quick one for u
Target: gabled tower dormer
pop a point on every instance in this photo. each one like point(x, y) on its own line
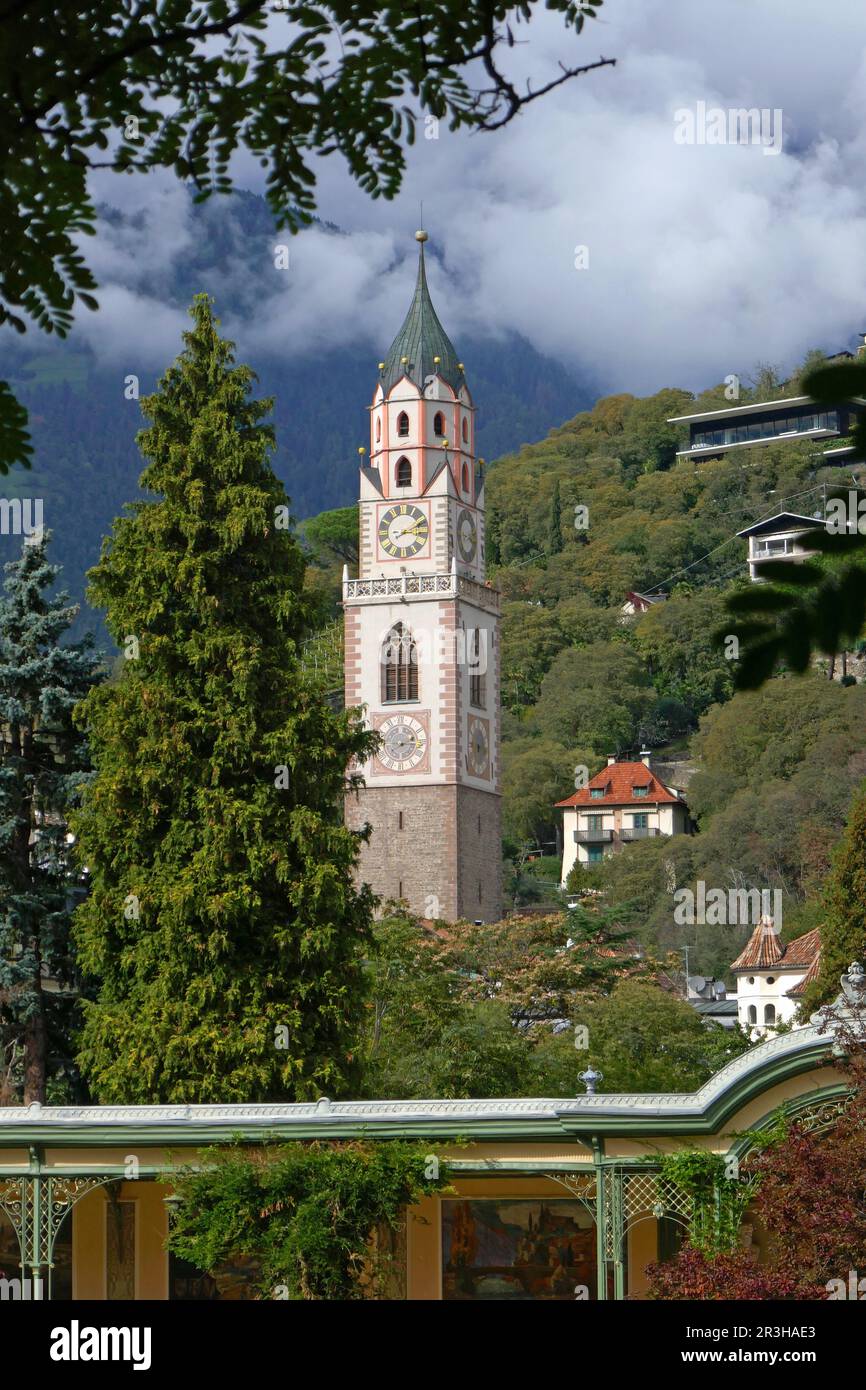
point(772, 977)
point(422, 635)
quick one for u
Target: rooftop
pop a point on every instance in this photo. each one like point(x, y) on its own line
point(755, 408)
point(422, 348)
point(783, 521)
point(90, 1126)
point(618, 781)
point(764, 949)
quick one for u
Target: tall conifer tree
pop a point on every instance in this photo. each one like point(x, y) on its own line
point(554, 525)
point(43, 761)
point(223, 921)
point(843, 929)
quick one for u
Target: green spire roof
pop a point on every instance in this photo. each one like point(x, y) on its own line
point(421, 339)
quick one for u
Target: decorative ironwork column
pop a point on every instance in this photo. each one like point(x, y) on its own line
point(586, 1189)
point(37, 1204)
point(633, 1193)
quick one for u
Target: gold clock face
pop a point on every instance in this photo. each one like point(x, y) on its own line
point(478, 754)
point(403, 530)
point(404, 742)
point(467, 536)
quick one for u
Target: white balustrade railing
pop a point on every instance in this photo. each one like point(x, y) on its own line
point(419, 586)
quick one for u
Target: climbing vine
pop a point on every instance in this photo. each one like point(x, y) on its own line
point(318, 1219)
point(719, 1194)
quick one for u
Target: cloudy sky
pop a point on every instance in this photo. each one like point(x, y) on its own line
point(703, 259)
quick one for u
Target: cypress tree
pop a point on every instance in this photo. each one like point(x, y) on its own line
point(843, 930)
point(223, 922)
point(554, 525)
point(43, 762)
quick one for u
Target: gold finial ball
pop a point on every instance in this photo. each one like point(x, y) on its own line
point(437, 359)
point(404, 360)
point(420, 236)
point(362, 450)
point(460, 366)
point(381, 366)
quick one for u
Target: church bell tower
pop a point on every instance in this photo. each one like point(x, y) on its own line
point(422, 636)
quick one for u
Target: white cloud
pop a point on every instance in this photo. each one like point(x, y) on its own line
point(132, 332)
point(702, 260)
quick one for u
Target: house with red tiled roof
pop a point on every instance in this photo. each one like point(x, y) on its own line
point(624, 802)
point(772, 976)
point(637, 604)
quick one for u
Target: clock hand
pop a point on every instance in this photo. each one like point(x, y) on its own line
point(407, 531)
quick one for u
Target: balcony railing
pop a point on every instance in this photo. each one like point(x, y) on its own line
point(774, 550)
point(409, 587)
point(593, 836)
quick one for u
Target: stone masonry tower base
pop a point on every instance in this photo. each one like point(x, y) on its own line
point(452, 833)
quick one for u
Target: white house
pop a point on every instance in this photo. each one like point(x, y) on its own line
point(624, 802)
point(772, 977)
point(780, 537)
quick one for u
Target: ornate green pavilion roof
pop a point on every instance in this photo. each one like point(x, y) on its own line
point(421, 340)
point(704, 1111)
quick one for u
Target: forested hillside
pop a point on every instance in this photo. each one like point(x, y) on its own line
point(602, 507)
point(774, 771)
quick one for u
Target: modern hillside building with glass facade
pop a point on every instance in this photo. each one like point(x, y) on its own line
point(715, 432)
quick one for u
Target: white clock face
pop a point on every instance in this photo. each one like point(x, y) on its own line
point(467, 536)
point(404, 743)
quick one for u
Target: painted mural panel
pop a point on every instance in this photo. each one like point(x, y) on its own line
point(514, 1248)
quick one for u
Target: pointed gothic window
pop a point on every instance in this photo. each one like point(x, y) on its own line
point(465, 430)
point(378, 430)
point(438, 424)
point(404, 473)
point(477, 665)
point(399, 666)
point(403, 424)
point(466, 477)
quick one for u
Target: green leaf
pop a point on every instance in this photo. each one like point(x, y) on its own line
point(15, 446)
point(836, 384)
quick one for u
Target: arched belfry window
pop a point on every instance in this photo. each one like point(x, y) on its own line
point(403, 424)
point(769, 1013)
point(378, 430)
point(399, 665)
point(465, 430)
point(439, 424)
point(404, 473)
point(753, 1014)
point(466, 477)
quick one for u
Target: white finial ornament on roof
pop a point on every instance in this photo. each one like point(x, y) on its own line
point(421, 236)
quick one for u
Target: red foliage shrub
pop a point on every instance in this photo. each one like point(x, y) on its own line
point(810, 1201)
point(692, 1275)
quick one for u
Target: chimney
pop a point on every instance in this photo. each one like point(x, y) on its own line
point(645, 756)
point(611, 759)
